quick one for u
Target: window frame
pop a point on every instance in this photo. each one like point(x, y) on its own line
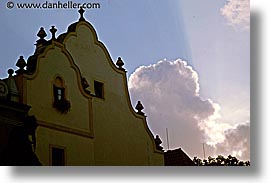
point(99, 90)
point(64, 158)
point(59, 95)
point(56, 95)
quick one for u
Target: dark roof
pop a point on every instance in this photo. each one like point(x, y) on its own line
point(177, 158)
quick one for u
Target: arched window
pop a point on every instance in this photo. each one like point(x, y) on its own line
point(58, 89)
point(59, 94)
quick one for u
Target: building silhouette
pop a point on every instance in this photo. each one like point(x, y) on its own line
point(17, 128)
point(177, 157)
point(81, 103)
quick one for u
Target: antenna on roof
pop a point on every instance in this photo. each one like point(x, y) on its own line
point(203, 150)
point(167, 138)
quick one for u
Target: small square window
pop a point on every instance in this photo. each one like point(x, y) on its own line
point(99, 89)
point(58, 157)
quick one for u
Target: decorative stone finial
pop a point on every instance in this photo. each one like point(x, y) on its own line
point(139, 108)
point(120, 63)
point(85, 85)
point(41, 33)
point(21, 63)
point(81, 12)
point(10, 72)
point(53, 31)
point(158, 143)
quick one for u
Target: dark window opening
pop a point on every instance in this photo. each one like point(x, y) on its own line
point(58, 157)
point(59, 93)
point(99, 90)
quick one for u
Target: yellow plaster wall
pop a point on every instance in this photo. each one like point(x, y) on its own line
point(71, 126)
point(120, 135)
point(79, 151)
point(95, 131)
point(40, 92)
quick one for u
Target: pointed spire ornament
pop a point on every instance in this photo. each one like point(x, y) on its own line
point(81, 11)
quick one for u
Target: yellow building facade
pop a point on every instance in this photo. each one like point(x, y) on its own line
point(81, 102)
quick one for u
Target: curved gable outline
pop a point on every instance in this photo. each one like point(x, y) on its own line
point(61, 40)
point(32, 76)
point(72, 31)
point(71, 61)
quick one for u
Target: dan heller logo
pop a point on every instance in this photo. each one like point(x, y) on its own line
point(50, 5)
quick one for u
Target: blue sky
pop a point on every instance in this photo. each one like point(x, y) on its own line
point(124, 26)
point(147, 31)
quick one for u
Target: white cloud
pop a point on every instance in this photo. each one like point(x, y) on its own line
point(237, 12)
point(170, 93)
point(237, 142)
